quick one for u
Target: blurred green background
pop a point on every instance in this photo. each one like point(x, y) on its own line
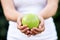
point(4, 23)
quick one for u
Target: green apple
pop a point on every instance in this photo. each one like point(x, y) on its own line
point(31, 20)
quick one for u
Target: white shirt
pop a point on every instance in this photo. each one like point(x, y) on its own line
point(32, 6)
point(29, 6)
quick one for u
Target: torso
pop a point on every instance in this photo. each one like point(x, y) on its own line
point(29, 6)
point(32, 6)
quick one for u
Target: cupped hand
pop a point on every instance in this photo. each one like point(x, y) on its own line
point(40, 29)
point(23, 28)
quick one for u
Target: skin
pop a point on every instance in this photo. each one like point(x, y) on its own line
point(12, 15)
point(48, 11)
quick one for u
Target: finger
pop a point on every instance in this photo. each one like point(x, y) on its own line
point(18, 26)
point(28, 33)
point(41, 24)
point(37, 30)
point(25, 30)
point(42, 21)
point(19, 20)
point(34, 32)
point(42, 29)
point(22, 27)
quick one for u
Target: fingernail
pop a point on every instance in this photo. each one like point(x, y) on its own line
point(27, 31)
point(39, 26)
point(31, 29)
point(30, 32)
point(25, 25)
point(27, 28)
point(19, 24)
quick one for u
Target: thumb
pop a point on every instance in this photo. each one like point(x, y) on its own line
point(41, 21)
point(19, 19)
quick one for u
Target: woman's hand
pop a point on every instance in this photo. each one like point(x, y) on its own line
point(24, 29)
point(40, 29)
